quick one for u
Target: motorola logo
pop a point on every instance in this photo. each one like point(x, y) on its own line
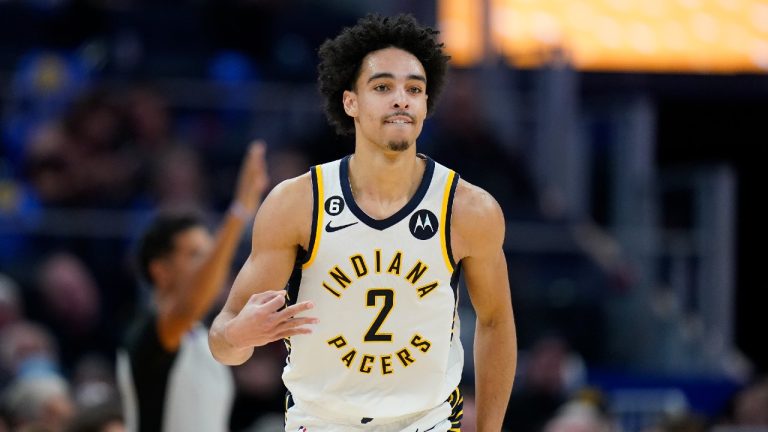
point(423, 224)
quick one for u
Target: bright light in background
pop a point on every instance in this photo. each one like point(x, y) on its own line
point(461, 27)
point(637, 35)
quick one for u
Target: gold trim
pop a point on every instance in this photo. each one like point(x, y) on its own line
point(320, 211)
point(443, 217)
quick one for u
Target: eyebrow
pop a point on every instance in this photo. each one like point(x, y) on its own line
point(389, 75)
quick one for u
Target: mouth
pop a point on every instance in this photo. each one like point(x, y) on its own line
point(399, 119)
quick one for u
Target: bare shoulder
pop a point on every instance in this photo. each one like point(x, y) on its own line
point(287, 210)
point(477, 220)
point(473, 207)
point(294, 190)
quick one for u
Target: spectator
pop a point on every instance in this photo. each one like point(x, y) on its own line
point(750, 407)
point(28, 348)
point(99, 418)
point(548, 373)
point(583, 413)
point(70, 300)
point(41, 403)
point(11, 307)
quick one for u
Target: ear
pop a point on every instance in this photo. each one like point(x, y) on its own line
point(349, 99)
point(159, 272)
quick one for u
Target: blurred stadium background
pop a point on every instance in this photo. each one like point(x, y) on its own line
point(621, 137)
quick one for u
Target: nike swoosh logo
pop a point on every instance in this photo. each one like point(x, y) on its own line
point(330, 229)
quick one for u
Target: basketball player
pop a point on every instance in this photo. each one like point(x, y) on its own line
point(373, 244)
point(167, 377)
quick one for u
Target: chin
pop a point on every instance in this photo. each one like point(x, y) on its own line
point(398, 145)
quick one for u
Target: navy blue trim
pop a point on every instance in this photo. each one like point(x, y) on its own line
point(383, 224)
point(295, 280)
point(315, 209)
point(292, 289)
point(455, 280)
point(457, 409)
point(288, 401)
point(448, 214)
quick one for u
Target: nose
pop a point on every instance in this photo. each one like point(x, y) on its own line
point(400, 99)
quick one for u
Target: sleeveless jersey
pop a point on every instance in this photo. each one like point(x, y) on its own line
point(385, 294)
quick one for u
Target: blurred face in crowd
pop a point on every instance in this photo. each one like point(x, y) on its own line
point(113, 426)
point(49, 165)
point(58, 411)
point(389, 100)
point(179, 180)
point(70, 292)
point(189, 249)
point(752, 406)
point(11, 309)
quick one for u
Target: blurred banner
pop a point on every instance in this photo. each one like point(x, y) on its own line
point(721, 36)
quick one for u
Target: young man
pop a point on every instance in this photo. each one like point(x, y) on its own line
point(168, 379)
point(373, 243)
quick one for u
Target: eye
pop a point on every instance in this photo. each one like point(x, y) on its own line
point(415, 90)
point(380, 88)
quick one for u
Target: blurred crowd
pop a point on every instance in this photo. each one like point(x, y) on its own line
point(117, 153)
point(90, 147)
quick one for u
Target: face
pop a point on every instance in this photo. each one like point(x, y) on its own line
point(389, 100)
point(189, 249)
point(191, 246)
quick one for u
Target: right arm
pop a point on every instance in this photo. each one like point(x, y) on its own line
point(252, 314)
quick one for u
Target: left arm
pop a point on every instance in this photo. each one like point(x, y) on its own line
point(478, 233)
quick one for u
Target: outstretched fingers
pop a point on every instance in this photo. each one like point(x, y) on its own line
point(293, 332)
point(270, 319)
point(291, 325)
point(295, 326)
point(271, 300)
point(294, 310)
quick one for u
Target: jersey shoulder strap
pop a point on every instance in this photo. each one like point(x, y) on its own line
point(325, 179)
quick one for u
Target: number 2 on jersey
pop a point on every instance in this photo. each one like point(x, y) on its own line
point(373, 334)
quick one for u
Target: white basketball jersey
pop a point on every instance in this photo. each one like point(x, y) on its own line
point(385, 293)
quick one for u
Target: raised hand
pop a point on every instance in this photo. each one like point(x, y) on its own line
point(254, 178)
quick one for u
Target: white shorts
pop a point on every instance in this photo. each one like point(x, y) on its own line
point(444, 418)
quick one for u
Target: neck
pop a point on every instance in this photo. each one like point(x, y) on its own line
point(385, 175)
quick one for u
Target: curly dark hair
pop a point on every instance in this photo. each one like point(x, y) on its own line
point(341, 59)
